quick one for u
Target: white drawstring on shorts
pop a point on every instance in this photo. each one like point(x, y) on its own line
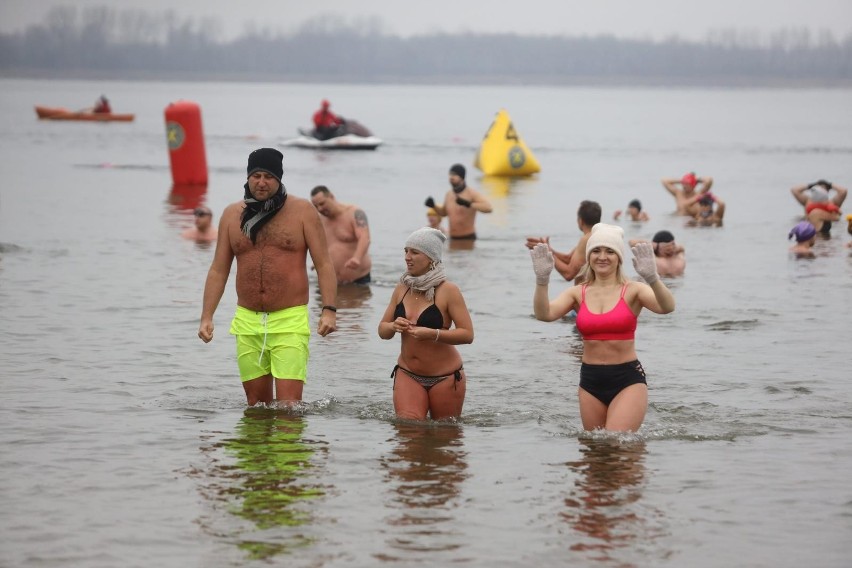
point(265, 332)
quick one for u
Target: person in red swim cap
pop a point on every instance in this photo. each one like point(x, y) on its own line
point(685, 189)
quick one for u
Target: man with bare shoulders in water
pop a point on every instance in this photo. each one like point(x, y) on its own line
point(348, 236)
point(270, 234)
point(686, 191)
point(461, 204)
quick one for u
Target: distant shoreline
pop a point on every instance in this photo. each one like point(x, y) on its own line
point(113, 44)
point(732, 82)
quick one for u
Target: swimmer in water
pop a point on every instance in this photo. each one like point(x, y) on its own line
point(805, 235)
point(711, 210)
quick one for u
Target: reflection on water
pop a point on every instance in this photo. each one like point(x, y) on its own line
point(496, 186)
point(501, 186)
point(268, 483)
point(425, 468)
point(352, 296)
point(187, 197)
point(349, 297)
point(602, 508)
point(461, 244)
point(353, 305)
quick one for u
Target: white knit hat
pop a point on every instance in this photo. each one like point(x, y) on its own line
point(610, 236)
point(429, 241)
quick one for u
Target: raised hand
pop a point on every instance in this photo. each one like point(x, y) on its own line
point(463, 202)
point(532, 241)
point(430, 202)
point(542, 260)
point(644, 262)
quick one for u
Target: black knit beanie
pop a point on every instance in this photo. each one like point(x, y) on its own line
point(267, 160)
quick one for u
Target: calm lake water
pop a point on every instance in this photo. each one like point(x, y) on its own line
point(126, 441)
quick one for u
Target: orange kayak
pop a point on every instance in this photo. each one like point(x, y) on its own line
point(59, 113)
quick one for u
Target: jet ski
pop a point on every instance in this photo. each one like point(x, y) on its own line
point(350, 135)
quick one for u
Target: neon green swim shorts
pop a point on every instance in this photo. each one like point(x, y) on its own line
point(273, 343)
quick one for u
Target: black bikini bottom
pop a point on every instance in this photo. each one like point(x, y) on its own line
point(604, 382)
point(425, 381)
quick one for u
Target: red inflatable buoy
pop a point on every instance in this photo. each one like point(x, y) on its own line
point(185, 138)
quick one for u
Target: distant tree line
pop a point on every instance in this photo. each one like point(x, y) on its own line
point(125, 44)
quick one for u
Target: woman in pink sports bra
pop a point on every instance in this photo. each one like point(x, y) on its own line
point(613, 391)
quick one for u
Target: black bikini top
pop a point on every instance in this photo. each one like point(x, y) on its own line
point(430, 317)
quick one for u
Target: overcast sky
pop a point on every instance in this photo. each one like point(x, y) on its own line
point(644, 19)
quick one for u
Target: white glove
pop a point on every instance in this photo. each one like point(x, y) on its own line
point(644, 262)
point(542, 260)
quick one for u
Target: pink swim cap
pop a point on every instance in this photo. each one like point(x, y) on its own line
point(689, 179)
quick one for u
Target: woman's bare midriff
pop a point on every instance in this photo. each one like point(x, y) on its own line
point(428, 358)
point(611, 352)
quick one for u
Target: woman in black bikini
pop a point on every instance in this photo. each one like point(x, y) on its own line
point(429, 378)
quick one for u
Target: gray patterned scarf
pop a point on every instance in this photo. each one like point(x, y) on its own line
point(426, 283)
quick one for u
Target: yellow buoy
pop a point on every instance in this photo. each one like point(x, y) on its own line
point(502, 152)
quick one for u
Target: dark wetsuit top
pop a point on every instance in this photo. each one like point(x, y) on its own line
point(430, 317)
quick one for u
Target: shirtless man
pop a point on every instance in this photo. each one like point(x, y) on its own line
point(683, 191)
point(270, 234)
point(461, 205)
point(669, 255)
point(711, 210)
point(634, 212)
point(348, 236)
point(203, 231)
point(569, 264)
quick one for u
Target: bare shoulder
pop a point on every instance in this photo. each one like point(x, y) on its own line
point(233, 211)
point(573, 294)
point(357, 214)
point(398, 290)
point(634, 288)
point(449, 288)
point(237, 206)
point(575, 291)
point(302, 208)
point(298, 202)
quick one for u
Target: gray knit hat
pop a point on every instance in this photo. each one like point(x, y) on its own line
point(429, 241)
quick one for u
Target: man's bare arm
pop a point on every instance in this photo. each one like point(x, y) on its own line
point(362, 234)
point(326, 276)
